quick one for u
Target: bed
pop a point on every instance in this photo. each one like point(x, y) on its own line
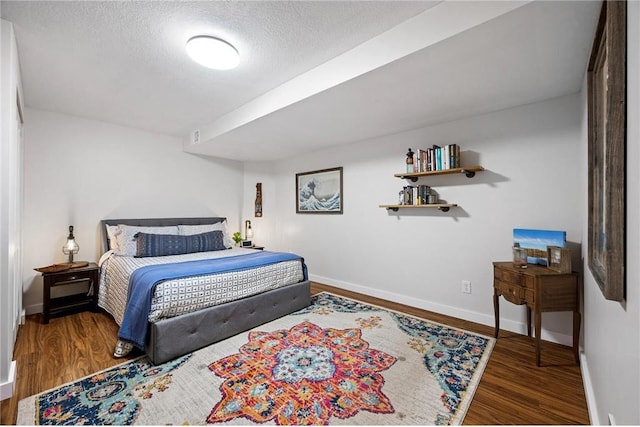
point(173, 330)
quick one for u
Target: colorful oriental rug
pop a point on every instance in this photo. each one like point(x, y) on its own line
point(338, 361)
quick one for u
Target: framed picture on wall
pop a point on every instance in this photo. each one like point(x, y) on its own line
point(319, 191)
point(606, 81)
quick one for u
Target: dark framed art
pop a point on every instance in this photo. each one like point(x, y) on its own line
point(606, 79)
point(319, 191)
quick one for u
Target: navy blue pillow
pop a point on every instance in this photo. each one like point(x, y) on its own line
point(169, 244)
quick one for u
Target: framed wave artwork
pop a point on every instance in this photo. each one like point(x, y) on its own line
point(319, 191)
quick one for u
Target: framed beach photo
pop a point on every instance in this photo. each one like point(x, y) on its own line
point(319, 191)
point(535, 242)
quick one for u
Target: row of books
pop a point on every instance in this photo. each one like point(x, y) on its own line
point(434, 159)
point(417, 195)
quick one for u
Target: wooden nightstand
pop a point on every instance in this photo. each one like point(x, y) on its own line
point(70, 303)
point(259, 248)
point(542, 290)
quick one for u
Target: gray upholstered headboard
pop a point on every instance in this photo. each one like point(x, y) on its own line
point(152, 222)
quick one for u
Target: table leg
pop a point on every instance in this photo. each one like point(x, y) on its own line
point(496, 312)
point(46, 300)
point(528, 321)
point(95, 288)
point(538, 322)
point(577, 320)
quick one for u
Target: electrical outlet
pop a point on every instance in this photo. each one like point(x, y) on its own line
point(195, 136)
point(466, 287)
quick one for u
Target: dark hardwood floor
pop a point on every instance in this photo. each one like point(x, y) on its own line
point(512, 390)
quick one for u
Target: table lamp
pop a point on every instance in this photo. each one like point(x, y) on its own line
point(71, 247)
point(248, 234)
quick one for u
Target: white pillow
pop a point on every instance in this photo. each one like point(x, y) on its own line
point(112, 231)
point(127, 246)
point(189, 230)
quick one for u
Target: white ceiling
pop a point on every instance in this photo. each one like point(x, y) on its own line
point(312, 73)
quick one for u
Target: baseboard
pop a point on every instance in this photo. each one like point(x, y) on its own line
point(472, 316)
point(7, 388)
point(33, 309)
point(594, 419)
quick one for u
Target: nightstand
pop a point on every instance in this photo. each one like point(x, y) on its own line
point(259, 248)
point(70, 303)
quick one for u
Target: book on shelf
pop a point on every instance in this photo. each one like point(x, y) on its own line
point(415, 195)
point(435, 158)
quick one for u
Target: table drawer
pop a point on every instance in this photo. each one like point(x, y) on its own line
point(508, 276)
point(512, 293)
point(514, 277)
point(529, 296)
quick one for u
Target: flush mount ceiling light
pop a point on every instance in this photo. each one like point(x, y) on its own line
point(212, 52)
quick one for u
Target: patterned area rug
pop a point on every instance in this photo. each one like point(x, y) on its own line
point(339, 361)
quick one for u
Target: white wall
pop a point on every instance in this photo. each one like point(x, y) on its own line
point(79, 171)
point(10, 207)
point(420, 258)
point(611, 360)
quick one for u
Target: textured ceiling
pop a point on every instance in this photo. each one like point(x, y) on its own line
point(312, 74)
point(124, 62)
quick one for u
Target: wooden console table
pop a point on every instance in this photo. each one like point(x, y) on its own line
point(542, 290)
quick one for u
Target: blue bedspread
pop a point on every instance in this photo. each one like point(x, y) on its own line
point(143, 281)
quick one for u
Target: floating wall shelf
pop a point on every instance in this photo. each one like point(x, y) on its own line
point(444, 207)
point(470, 172)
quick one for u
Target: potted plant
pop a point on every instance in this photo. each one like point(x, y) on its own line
point(237, 237)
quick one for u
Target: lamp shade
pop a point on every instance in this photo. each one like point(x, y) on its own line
point(248, 231)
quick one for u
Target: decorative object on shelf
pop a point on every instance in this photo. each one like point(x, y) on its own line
point(319, 191)
point(71, 247)
point(559, 259)
point(536, 241)
point(248, 234)
point(432, 197)
point(409, 161)
point(258, 200)
point(237, 237)
point(519, 256)
point(606, 100)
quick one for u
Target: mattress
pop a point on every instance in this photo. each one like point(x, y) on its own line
point(180, 296)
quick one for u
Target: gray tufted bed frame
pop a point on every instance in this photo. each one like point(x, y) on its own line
point(176, 336)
